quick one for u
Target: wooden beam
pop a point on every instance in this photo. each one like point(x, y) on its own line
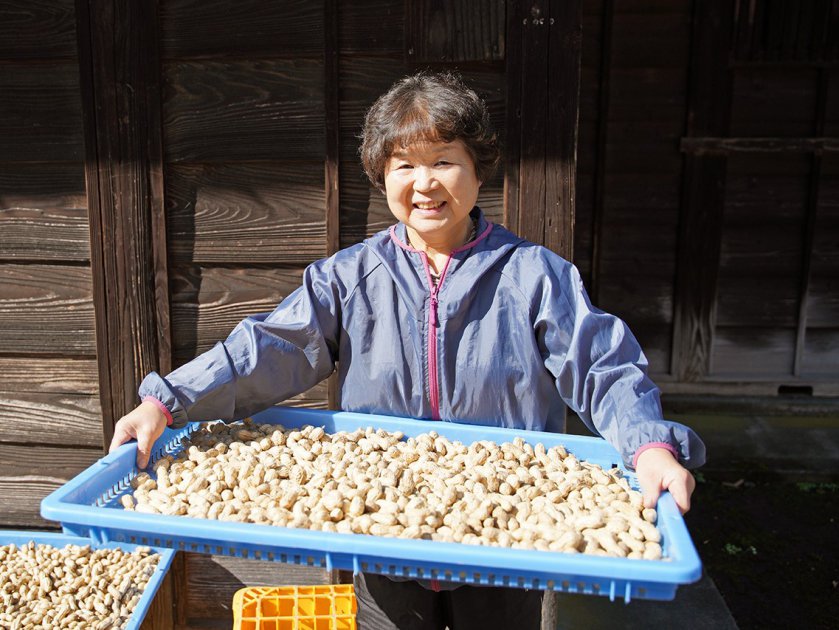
point(703, 190)
point(120, 79)
point(725, 146)
point(332, 101)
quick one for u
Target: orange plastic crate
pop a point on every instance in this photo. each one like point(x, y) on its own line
point(319, 607)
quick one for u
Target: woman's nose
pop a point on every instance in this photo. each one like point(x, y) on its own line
point(424, 178)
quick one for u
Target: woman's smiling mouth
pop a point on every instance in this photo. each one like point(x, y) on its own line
point(429, 207)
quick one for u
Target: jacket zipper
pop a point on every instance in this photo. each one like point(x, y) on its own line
point(433, 325)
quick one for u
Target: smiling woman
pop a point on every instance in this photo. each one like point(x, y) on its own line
point(476, 325)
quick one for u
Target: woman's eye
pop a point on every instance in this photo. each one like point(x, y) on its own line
point(404, 166)
point(443, 163)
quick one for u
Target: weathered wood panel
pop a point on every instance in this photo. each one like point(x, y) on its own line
point(458, 31)
point(762, 240)
point(40, 113)
point(37, 29)
point(635, 92)
point(44, 235)
point(364, 79)
point(48, 375)
point(43, 212)
point(783, 31)
point(46, 309)
point(821, 353)
point(212, 581)
point(364, 210)
point(823, 304)
point(702, 199)
point(50, 418)
point(752, 353)
point(243, 110)
point(207, 303)
point(641, 38)
point(29, 473)
point(374, 27)
point(246, 28)
point(784, 97)
point(831, 110)
point(247, 213)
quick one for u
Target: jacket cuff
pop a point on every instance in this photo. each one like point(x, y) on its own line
point(156, 387)
point(648, 446)
point(162, 408)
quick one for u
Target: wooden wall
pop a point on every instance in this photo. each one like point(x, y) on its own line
point(706, 189)
point(218, 145)
point(50, 420)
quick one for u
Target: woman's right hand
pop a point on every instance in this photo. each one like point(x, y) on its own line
point(145, 423)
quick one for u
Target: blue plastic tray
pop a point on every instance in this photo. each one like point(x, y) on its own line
point(88, 505)
point(19, 538)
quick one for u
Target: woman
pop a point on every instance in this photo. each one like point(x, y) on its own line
point(443, 317)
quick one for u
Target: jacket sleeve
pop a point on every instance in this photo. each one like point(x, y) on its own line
point(266, 359)
point(601, 373)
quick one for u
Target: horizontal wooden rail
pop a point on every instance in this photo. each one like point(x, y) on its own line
point(723, 146)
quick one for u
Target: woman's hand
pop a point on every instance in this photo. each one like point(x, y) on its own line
point(145, 423)
point(658, 470)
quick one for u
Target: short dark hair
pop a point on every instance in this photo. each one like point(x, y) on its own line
point(428, 106)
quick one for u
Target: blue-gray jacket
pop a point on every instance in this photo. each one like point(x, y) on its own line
point(506, 338)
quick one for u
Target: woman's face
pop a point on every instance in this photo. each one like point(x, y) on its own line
point(431, 187)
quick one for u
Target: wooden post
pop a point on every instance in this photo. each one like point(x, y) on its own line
point(120, 77)
point(332, 100)
point(543, 44)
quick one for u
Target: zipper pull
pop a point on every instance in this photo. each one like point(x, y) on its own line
point(434, 321)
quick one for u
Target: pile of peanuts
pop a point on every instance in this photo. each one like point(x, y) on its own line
point(375, 482)
point(74, 587)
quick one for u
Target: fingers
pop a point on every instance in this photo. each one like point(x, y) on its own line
point(145, 423)
point(681, 489)
point(651, 494)
point(121, 436)
point(144, 444)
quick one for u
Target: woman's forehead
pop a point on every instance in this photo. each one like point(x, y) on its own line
point(426, 147)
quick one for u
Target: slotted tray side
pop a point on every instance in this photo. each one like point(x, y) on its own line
point(22, 537)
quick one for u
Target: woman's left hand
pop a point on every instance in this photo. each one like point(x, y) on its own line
point(658, 470)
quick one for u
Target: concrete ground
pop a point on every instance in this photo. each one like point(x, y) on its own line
point(697, 606)
point(800, 443)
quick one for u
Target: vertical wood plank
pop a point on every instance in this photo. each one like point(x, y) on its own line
point(607, 19)
point(811, 212)
point(703, 190)
point(542, 116)
point(454, 31)
point(564, 58)
point(512, 149)
point(534, 102)
point(331, 95)
point(120, 77)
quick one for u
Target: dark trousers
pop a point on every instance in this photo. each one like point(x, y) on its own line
point(387, 605)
